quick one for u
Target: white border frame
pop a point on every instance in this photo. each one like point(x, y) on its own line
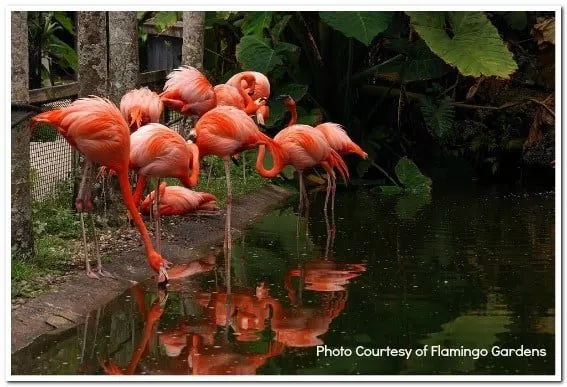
point(295, 5)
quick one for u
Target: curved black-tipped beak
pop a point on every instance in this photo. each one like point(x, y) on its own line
point(282, 97)
point(235, 160)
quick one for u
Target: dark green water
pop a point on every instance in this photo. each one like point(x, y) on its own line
point(466, 268)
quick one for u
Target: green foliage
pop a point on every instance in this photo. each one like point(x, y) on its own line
point(439, 117)
point(473, 45)
point(166, 19)
point(414, 192)
point(411, 177)
point(363, 26)
point(258, 54)
point(255, 23)
point(43, 28)
point(417, 64)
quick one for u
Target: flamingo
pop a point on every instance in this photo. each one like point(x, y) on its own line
point(335, 135)
point(260, 89)
point(189, 92)
point(176, 200)
point(96, 128)
point(225, 131)
point(141, 107)
point(159, 151)
point(303, 148)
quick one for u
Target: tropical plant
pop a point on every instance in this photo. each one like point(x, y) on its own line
point(48, 48)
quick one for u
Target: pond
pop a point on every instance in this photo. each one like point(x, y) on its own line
point(466, 269)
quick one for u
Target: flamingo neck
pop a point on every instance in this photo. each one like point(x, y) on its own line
point(129, 202)
point(250, 106)
point(278, 157)
point(292, 108)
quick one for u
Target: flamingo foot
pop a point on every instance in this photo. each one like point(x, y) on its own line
point(104, 273)
point(92, 274)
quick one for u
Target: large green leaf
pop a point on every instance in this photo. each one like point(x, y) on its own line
point(255, 22)
point(419, 64)
point(439, 117)
point(65, 55)
point(473, 45)
point(411, 177)
point(64, 20)
point(363, 26)
point(256, 53)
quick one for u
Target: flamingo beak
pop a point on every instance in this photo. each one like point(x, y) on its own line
point(282, 97)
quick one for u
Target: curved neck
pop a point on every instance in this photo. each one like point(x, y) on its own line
point(129, 202)
point(292, 108)
point(139, 189)
point(194, 151)
point(248, 102)
point(278, 157)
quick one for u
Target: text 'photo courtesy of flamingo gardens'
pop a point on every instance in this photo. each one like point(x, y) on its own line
point(286, 195)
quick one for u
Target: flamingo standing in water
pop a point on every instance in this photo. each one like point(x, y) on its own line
point(303, 148)
point(159, 151)
point(225, 131)
point(175, 200)
point(96, 128)
point(335, 135)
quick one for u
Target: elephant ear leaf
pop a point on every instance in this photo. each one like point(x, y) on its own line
point(465, 40)
point(363, 26)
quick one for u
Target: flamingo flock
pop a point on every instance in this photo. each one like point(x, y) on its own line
point(131, 138)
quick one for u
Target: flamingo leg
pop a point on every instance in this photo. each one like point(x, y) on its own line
point(301, 188)
point(244, 166)
point(227, 233)
point(330, 175)
point(89, 208)
point(158, 219)
point(333, 194)
point(79, 205)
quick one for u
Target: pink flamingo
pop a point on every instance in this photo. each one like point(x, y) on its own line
point(259, 89)
point(303, 148)
point(96, 128)
point(141, 107)
point(223, 132)
point(159, 151)
point(175, 200)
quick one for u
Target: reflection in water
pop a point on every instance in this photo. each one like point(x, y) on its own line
point(465, 268)
point(242, 315)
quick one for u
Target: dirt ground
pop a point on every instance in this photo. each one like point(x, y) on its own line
point(70, 301)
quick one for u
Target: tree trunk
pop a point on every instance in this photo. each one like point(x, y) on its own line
point(123, 49)
point(193, 39)
point(92, 54)
point(193, 49)
point(22, 232)
point(92, 69)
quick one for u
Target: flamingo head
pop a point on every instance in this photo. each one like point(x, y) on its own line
point(288, 101)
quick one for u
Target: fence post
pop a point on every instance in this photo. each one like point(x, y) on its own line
point(22, 231)
point(123, 49)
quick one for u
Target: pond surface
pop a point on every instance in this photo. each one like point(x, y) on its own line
point(467, 268)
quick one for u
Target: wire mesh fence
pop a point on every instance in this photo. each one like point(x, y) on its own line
point(51, 157)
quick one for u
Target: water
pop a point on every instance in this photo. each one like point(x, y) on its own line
point(465, 268)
